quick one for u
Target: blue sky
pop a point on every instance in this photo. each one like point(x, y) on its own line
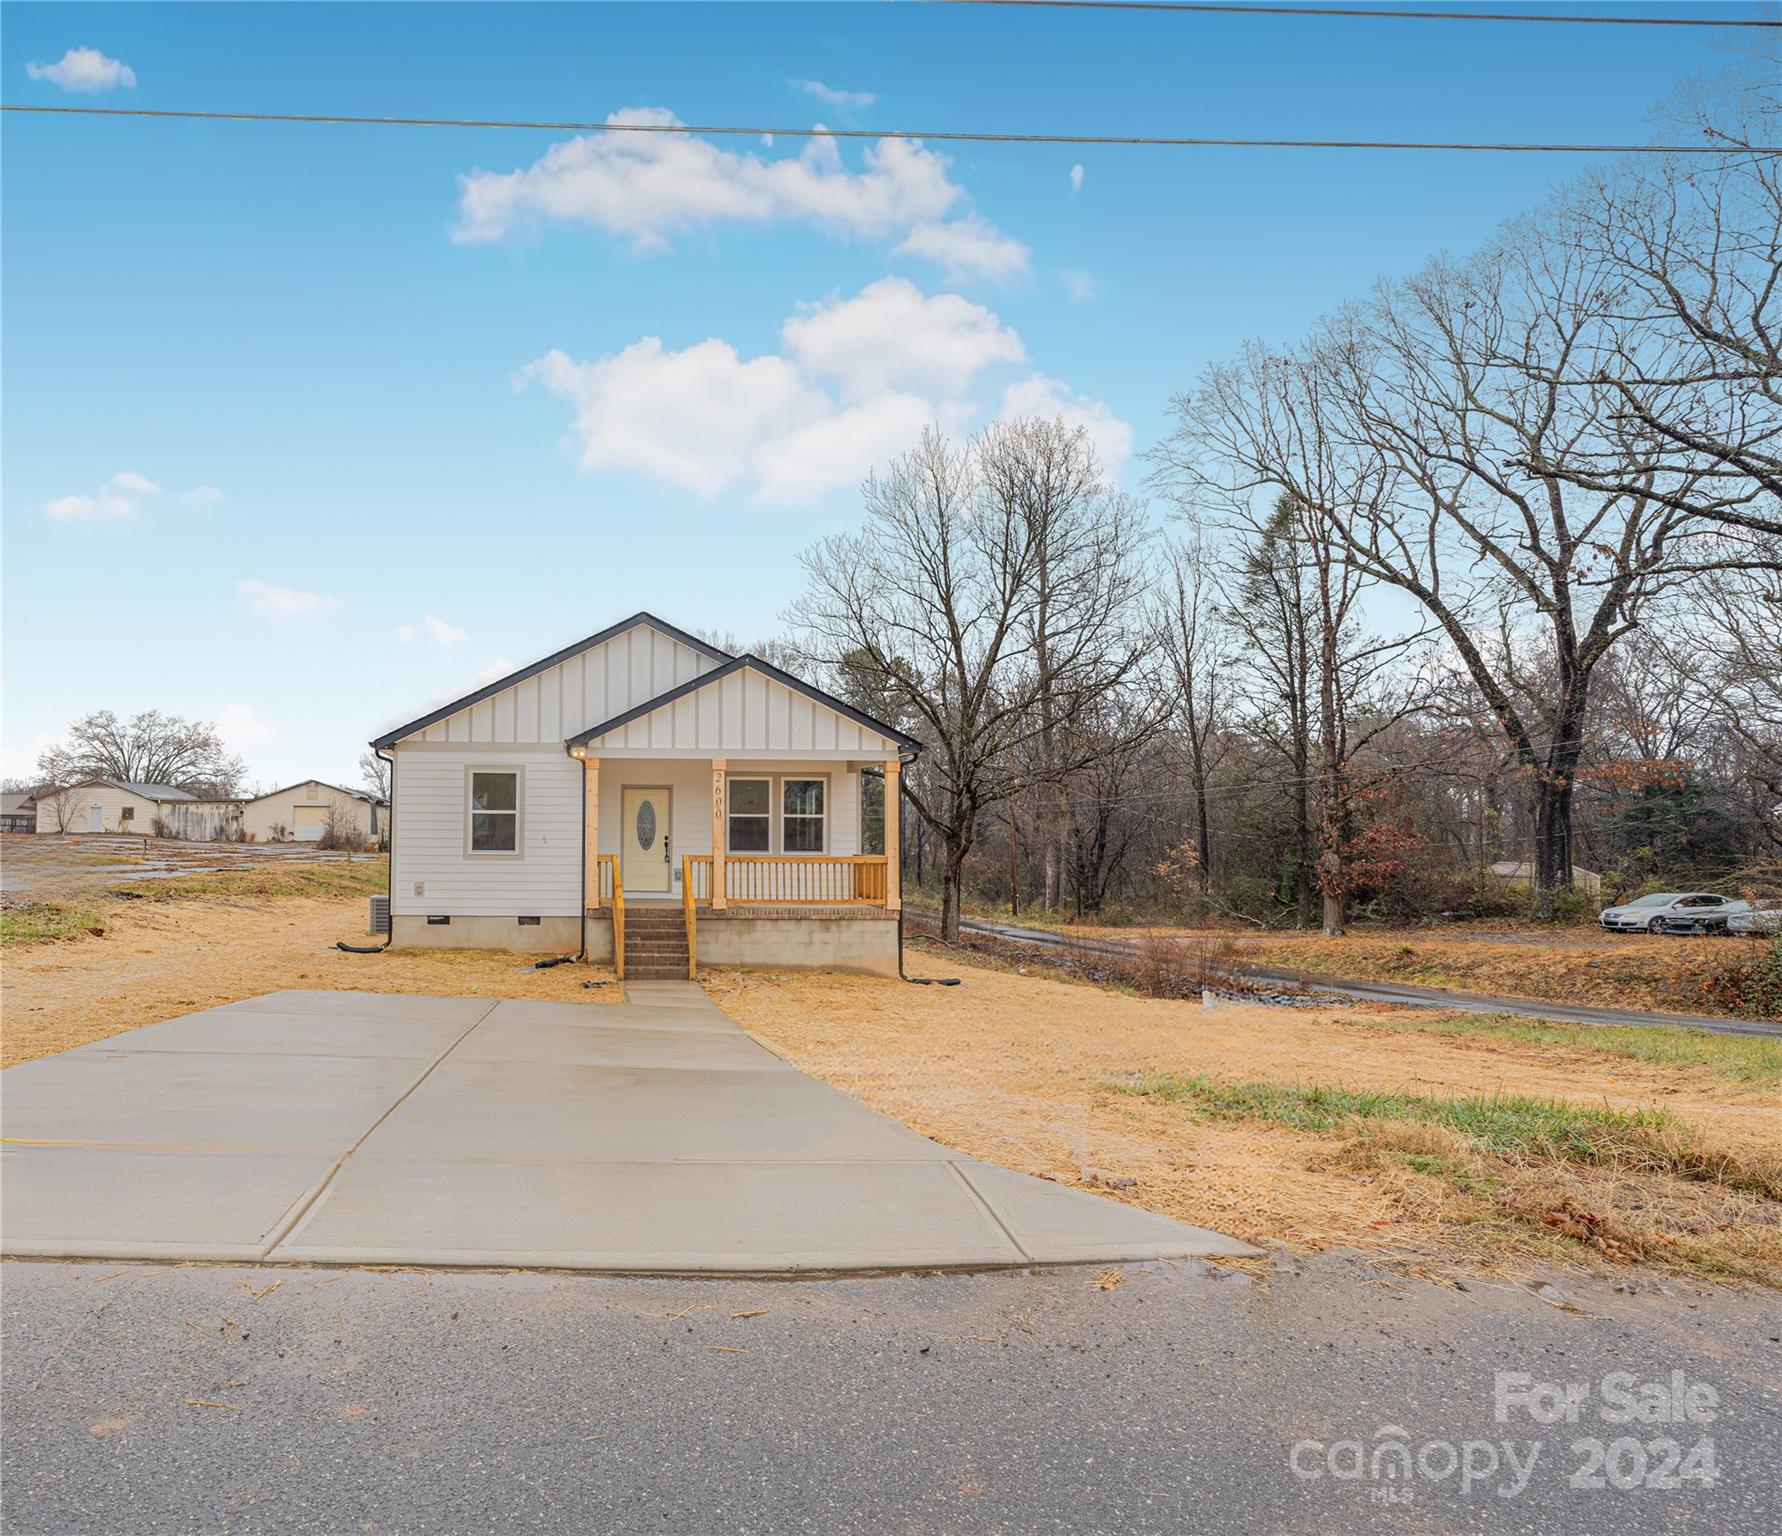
point(307, 428)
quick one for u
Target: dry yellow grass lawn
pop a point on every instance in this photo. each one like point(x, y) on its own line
point(1020, 1070)
point(1557, 966)
point(160, 959)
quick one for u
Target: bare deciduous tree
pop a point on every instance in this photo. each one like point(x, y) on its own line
point(940, 592)
point(149, 748)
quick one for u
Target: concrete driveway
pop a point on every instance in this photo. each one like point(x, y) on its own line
point(651, 1136)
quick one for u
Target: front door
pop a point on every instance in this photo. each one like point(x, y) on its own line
point(643, 840)
point(95, 818)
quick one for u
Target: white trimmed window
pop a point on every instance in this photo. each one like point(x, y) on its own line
point(751, 816)
point(802, 814)
point(494, 811)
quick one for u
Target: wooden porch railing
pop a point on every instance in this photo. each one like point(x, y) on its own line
point(692, 920)
point(612, 891)
point(788, 880)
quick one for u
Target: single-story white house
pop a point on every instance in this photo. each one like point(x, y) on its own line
point(301, 812)
point(1522, 871)
point(645, 797)
point(116, 805)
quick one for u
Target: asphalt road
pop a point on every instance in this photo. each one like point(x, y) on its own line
point(1394, 992)
point(143, 1398)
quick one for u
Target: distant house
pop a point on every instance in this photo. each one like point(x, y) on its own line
point(116, 805)
point(645, 797)
point(1522, 871)
point(18, 813)
point(301, 812)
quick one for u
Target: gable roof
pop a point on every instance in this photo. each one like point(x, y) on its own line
point(13, 805)
point(751, 664)
point(445, 711)
point(144, 791)
point(351, 794)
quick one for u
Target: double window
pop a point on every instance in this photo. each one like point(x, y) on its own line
point(800, 806)
point(494, 810)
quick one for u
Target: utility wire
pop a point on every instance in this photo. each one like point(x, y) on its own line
point(1368, 13)
point(714, 129)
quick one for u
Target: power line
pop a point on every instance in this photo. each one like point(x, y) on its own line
point(939, 136)
point(1363, 12)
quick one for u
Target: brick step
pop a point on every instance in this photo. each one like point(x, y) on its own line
point(632, 925)
point(655, 952)
point(655, 972)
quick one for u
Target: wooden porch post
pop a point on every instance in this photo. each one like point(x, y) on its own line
point(719, 900)
point(591, 834)
point(893, 833)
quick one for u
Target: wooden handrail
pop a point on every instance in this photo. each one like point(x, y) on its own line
point(791, 879)
point(692, 919)
point(609, 866)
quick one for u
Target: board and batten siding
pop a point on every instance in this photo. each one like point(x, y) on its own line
point(429, 845)
point(616, 675)
point(745, 712)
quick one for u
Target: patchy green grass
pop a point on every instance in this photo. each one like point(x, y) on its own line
point(1510, 1127)
point(1738, 1058)
point(88, 914)
point(274, 879)
point(45, 922)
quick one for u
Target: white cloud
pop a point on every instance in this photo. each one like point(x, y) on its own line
point(646, 186)
point(1076, 178)
point(276, 602)
point(1041, 396)
point(85, 71)
point(839, 449)
point(695, 418)
point(121, 497)
point(855, 382)
point(830, 96)
point(244, 728)
point(405, 633)
point(891, 336)
point(969, 246)
point(498, 668)
point(107, 506)
point(1079, 285)
point(444, 634)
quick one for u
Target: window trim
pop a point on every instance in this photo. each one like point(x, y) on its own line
point(821, 818)
point(776, 815)
point(518, 770)
point(730, 781)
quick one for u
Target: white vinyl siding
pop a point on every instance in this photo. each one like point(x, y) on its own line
point(543, 879)
point(282, 808)
point(110, 802)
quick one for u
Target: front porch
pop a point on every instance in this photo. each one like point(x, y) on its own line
point(654, 911)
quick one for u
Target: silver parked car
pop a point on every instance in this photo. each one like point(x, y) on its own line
point(1677, 911)
point(1759, 919)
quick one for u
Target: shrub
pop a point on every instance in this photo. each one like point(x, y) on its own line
point(1748, 984)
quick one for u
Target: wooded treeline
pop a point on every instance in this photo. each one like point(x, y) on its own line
point(1487, 567)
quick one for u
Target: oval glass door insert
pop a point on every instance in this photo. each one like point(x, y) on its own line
point(646, 825)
